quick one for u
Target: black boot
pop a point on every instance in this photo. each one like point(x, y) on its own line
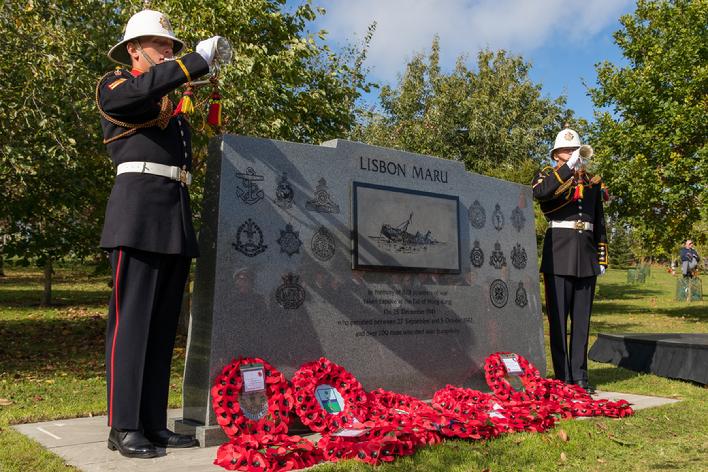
point(131, 444)
point(166, 438)
point(586, 386)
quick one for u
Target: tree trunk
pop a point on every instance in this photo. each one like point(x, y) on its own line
point(183, 326)
point(2, 266)
point(47, 295)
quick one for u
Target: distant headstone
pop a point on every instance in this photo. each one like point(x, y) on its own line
point(405, 269)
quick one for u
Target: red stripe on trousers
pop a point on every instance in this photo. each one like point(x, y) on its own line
point(115, 336)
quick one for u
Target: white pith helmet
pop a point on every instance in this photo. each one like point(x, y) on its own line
point(566, 138)
point(144, 23)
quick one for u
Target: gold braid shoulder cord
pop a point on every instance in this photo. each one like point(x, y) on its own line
point(162, 119)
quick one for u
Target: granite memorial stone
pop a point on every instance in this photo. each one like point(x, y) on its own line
point(372, 257)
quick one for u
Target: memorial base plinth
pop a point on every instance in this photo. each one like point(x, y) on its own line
point(207, 436)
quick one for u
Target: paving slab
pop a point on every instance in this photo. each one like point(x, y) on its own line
point(81, 442)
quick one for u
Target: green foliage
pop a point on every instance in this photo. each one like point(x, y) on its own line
point(53, 173)
point(619, 235)
point(651, 141)
point(493, 119)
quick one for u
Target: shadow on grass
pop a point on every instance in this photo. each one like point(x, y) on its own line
point(612, 373)
point(43, 348)
point(60, 298)
point(622, 291)
point(597, 327)
point(696, 312)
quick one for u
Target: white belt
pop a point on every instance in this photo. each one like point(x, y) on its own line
point(579, 225)
point(171, 172)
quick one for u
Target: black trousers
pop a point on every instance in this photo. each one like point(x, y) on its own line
point(572, 296)
point(142, 323)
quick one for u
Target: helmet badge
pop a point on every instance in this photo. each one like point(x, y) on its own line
point(165, 23)
point(568, 136)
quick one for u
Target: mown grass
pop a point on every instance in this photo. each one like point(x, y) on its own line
point(51, 367)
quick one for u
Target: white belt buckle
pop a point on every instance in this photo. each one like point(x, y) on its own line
point(184, 176)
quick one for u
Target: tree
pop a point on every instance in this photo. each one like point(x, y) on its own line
point(53, 177)
point(651, 139)
point(54, 172)
point(493, 119)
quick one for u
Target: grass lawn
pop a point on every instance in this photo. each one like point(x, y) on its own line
point(51, 367)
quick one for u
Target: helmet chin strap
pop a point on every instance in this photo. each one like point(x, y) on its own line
point(143, 53)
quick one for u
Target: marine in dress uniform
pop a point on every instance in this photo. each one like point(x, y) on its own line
point(574, 253)
point(148, 227)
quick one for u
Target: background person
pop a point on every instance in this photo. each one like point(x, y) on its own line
point(574, 254)
point(148, 227)
point(689, 259)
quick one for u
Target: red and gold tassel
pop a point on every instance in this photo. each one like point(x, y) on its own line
point(214, 116)
point(186, 103)
point(578, 192)
point(605, 193)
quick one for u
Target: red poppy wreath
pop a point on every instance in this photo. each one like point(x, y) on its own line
point(552, 395)
point(267, 453)
point(327, 397)
point(267, 416)
point(416, 420)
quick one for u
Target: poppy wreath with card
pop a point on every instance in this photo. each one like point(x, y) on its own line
point(495, 373)
point(416, 420)
point(553, 396)
point(267, 453)
point(324, 372)
point(227, 402)
point(381, 442)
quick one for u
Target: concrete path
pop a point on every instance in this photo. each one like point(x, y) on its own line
point(81, 442)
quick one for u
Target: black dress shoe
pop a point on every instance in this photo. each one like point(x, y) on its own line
point(166, 438)
point(585, 386)
point(131, 444)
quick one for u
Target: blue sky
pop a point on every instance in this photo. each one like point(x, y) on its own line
point(563, 39)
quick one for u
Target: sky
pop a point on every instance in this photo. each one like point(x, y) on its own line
point(562, 39)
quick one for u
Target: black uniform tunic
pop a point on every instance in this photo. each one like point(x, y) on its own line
point(148, 231)
point(571, 262)
point(148, 212)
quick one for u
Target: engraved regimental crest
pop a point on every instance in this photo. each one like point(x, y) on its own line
point(518, 219)
point(477, 255)
point(284, 193)
point(477, 215)
point(250, 193)
point(322, 201)
point(497, 259)
point(568, 136)
point(322, 244)
point(498, 218)
point(518, 256)
point(290, 295)
point(498, 293)
point(521, 298)
point(289, 241)
point(249, 239)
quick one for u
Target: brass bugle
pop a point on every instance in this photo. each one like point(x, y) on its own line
point(586, 152)
point(222, 56)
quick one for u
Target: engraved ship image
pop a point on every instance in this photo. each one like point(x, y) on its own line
point(402, 240)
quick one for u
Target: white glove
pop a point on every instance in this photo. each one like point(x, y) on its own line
point(575, 161)
point(602, 270)
point(207, 49)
